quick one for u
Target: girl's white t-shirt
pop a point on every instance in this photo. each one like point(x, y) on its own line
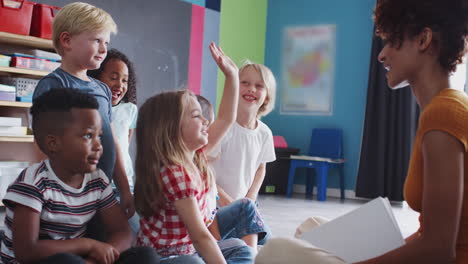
point(238, 156)
point(124, 118)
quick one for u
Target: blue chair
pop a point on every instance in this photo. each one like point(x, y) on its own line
point(324, 144)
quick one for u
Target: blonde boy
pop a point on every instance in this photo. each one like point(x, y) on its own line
point(81, 33)
point(247, 147)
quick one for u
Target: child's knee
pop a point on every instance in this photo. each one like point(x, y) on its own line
point(247, 204)
point(231, 243)
point(235, 249)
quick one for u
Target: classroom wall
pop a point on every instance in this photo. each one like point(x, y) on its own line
point(242, 32)
point(353, 43)
point(166, 40)
point(253, 30)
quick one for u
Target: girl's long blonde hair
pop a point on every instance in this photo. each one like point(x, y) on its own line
point(159, 144)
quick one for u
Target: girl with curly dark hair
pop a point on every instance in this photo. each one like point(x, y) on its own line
point(117, 72)
point(425, 40)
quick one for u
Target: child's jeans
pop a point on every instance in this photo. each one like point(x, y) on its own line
point(242, 218)
point(143, 255)
point(234, 250)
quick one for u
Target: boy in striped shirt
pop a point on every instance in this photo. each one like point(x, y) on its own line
point(50, 204)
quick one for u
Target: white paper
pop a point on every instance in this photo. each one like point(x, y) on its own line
point(366, 232)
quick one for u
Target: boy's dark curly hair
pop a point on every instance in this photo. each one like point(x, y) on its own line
point(130, 96)
point(396, 20)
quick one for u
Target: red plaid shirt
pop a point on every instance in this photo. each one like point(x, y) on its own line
point(165, 231)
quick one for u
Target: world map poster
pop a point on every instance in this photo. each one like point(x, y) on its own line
point(308, 70)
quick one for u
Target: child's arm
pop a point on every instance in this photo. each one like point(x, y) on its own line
point(130, 134)
point(118, 231)
point(133, 119)
point(257, 183)
point(228, 107)
point(28, 248)
point(224, 198)
point(202, 240)
point(121, 181)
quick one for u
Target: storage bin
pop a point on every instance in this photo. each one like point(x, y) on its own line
point(16, 16)
point(24, 87)
point(42, 16)
point(276, 176)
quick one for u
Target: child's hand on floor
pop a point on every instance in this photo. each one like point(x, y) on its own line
point(309, 224)
point(227, 66)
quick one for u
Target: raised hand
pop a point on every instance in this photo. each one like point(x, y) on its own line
point(225, 63)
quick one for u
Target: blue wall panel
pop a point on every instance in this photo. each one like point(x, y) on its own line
point(210, 69)
point(353, 20)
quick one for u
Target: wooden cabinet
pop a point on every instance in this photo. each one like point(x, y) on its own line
point(20, 148)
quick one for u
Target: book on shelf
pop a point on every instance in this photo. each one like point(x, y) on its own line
point(7, 92)
point(13, 130)
point(7, 88)
point(313, 158)
point(366, 232)
point(10, 121)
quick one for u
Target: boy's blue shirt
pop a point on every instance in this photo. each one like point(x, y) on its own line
point(62, 79)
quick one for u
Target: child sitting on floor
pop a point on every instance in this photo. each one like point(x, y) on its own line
point(50, 204)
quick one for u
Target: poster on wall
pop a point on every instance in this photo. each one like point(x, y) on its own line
point(308, 70)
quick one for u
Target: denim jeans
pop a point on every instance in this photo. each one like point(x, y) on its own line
point(234, 250)
point(144, 255)
point(242, 218)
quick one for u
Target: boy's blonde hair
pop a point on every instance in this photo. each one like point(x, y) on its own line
point(270, 85)
point(78, 17)
point(159, 144)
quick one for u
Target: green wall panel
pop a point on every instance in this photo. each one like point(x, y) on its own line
point(242, 32)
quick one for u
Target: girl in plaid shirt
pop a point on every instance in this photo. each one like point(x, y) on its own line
point(175, 191)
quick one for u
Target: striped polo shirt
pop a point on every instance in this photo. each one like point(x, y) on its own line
point(64, 211)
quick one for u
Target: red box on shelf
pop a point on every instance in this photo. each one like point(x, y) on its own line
point(34, 64)
point(15, 16)
point(42, 16)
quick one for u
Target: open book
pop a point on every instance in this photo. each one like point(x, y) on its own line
point(366, 232)
point(304, 157)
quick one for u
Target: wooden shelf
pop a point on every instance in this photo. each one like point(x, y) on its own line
point(26, 41)
point(29, 138)
point(23, 71)
point(15, 104)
